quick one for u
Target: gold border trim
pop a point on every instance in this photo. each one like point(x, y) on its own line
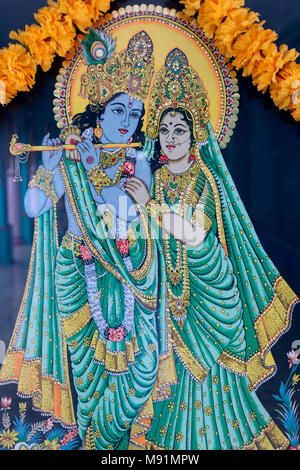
point(269, 326)
point(114, 361)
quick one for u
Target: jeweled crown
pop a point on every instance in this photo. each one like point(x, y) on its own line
point(177, 85)
point(129, 71)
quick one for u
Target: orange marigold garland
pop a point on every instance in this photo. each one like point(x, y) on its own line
point(54, 34)
point(240, 36)
point(236, 30)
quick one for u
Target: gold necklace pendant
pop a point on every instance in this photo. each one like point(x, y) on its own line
point(108, 159)
point(176, 184)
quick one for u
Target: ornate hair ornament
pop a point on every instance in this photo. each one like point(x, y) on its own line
point(177, 85)
point(129, 71)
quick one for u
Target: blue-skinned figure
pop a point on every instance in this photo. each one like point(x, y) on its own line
point(120, 121)
point(103, 293)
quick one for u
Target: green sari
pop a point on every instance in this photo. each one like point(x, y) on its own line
point(217, 356)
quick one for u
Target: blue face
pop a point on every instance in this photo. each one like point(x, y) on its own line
point(120, 119)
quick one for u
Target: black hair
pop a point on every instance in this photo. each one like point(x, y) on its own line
point(155, 163)
point(89, 119)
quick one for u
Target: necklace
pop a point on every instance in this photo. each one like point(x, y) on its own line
point(178, 274)
point(176, 183)
point(108, 159)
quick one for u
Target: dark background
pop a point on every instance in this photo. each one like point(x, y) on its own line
point(263, 157)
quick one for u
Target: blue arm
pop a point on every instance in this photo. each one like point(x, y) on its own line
point(36, 202)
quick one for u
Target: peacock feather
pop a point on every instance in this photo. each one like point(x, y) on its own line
point(98, 47)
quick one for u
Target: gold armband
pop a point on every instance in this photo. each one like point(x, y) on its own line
point(199, 217)
point(156, 211)
point(99, 179)
point(43, 179)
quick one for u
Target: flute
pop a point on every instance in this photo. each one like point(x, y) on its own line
point(19, 149)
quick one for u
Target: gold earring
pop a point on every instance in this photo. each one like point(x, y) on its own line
point(98, 132)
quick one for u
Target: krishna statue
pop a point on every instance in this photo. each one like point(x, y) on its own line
point(158, 306)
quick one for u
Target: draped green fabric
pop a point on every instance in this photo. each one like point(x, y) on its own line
point(36, 358)
point(113, 380)
point(213, 405)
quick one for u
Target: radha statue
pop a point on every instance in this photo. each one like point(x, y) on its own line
point(226, 302)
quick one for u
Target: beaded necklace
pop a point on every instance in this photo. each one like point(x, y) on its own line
point(178, 274)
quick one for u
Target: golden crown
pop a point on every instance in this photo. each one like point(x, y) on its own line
point(177, 85)
point(129, 71)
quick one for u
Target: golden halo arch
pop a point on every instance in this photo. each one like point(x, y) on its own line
point(167, 29)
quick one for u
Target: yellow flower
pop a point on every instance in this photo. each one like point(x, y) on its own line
point(295, 379)
point(296, 113)
point(246, 49)
point(190, 7)
point(58, 27)
point(40, 45)
point(284, 90)
point(272, 61)
point(212, 13)
point(17, 70)
point(22, 407)
point(236, 23)
point(80, 12)
point(8, 438)
point(52, 445)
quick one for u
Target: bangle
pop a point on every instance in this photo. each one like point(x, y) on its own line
point(68, 130)
point(199, 217)
point(99, 179)
point(156, 211)
point(43, 179)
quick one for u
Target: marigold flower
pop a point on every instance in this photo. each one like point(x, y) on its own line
point(18, 70)
point(246, 49)
point(81, 12)
point(272, 61)
point(190, 7)
point(39, 43)
point(285, 91)
point(237, 22)
point(58, 26)
point(212, 13)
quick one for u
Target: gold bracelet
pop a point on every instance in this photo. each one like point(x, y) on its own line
point(43, 179)
point(68, 130)
point(199, 217)
point(156, 211)
point(99, 179)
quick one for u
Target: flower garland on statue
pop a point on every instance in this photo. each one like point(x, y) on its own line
point(55, 34)
point(241, 38)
